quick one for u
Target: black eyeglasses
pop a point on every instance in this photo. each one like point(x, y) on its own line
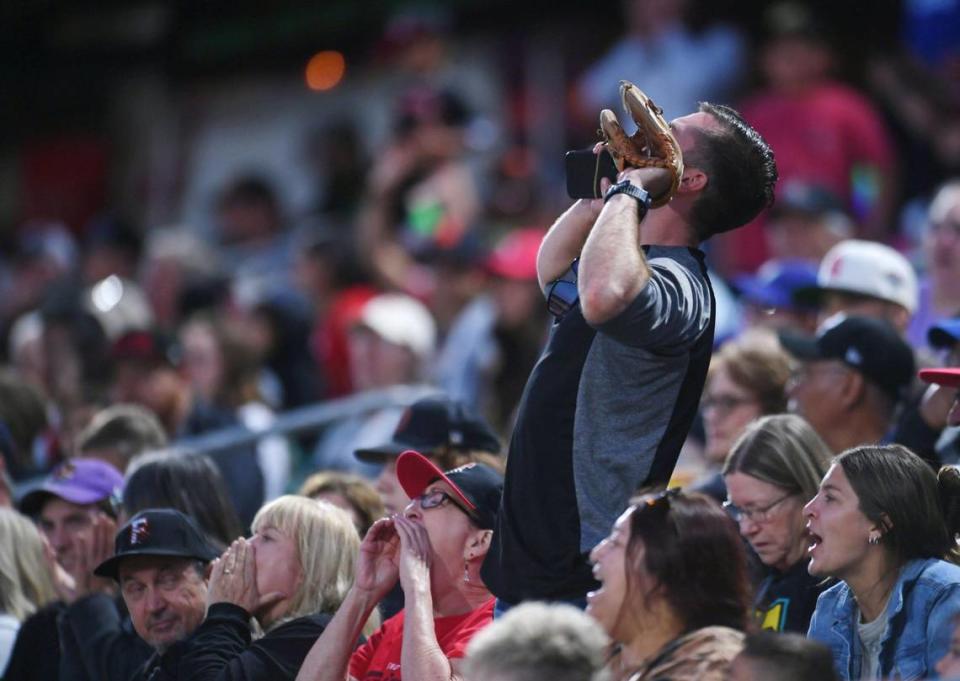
point(563, 294)
point(436, 498)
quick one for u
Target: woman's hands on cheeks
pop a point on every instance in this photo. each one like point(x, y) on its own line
point(379, 564)
point(233, 579)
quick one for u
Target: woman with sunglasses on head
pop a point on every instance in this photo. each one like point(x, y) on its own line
point(435, 549)
point(673, 590)
point(773, 470)
point(885, 525)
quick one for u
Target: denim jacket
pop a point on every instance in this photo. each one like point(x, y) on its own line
point(920, 614)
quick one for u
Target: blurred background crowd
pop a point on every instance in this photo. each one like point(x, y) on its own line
point(221, 218)
point(237, 186)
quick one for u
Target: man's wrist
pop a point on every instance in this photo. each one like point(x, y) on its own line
point(638, 194)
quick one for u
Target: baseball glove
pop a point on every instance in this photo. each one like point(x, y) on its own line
point(651, 146)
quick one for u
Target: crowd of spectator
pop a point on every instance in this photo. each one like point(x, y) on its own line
point(661, 474)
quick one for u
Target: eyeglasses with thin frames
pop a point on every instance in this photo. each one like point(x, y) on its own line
point(724, 403)
point(755, 515)
point(805, 372)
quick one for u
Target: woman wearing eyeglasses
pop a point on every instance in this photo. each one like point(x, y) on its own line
point(773, 470)
point(747, 379)
point(435, 549)
point(885, 525)
point(673, 590)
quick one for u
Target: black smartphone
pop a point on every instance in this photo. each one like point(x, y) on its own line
point(584, 170)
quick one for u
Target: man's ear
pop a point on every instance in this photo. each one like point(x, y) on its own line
point(852, 388)
point(478, 544)
point(692, 180)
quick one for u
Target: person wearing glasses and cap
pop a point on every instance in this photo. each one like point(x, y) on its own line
point(435, 549)
point(610, 402)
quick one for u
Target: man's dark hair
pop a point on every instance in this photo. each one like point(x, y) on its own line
point(741, 173)
point(789, 657)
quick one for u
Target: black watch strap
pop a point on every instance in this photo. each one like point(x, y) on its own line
point(626, 187)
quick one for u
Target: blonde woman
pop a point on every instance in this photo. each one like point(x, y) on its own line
point(291, 576)
point(26, 581)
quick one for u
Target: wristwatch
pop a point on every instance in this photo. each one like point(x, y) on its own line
point(626, 187)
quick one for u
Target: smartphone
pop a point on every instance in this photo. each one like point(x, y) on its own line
point(584, 171)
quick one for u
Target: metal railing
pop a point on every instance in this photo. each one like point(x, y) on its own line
point(304, 420)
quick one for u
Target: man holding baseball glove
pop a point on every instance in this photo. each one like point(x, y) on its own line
point(611, 400)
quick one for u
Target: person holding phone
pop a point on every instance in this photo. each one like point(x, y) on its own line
point(609, 404)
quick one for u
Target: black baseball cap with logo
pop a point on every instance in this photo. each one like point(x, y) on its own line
point(477, 486)
point(870, 346)
point(432, 423)
point(157, 532)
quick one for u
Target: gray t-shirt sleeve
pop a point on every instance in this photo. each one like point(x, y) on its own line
point(669, 313)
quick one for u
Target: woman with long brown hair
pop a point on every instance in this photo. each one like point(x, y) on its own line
point(885, 525)
point(674, 592)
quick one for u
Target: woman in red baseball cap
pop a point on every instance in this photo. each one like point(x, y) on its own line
point(435, 549)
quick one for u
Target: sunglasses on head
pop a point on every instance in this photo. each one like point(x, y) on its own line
point(661, 500)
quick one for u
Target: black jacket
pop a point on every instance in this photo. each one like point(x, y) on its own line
point(36, 652)
point(221, 649)
point(98, 643)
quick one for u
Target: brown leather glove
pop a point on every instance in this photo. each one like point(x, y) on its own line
point(651, 146)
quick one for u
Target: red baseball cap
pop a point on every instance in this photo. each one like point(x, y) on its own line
point(948, 377)
point(477, 486)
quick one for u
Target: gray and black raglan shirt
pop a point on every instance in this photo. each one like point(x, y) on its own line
point(604, 412)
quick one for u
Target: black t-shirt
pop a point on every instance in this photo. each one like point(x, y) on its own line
point(536, 543)
point(786, 600)
point(604, 412)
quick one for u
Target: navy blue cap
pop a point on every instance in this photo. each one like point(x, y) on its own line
point(433, 423)
point(945, 333)
point(158, 532)
point(869, 346)
point(775, 283)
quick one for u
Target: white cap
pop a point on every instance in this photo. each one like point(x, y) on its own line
point(401, 320)
point(871, 269)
